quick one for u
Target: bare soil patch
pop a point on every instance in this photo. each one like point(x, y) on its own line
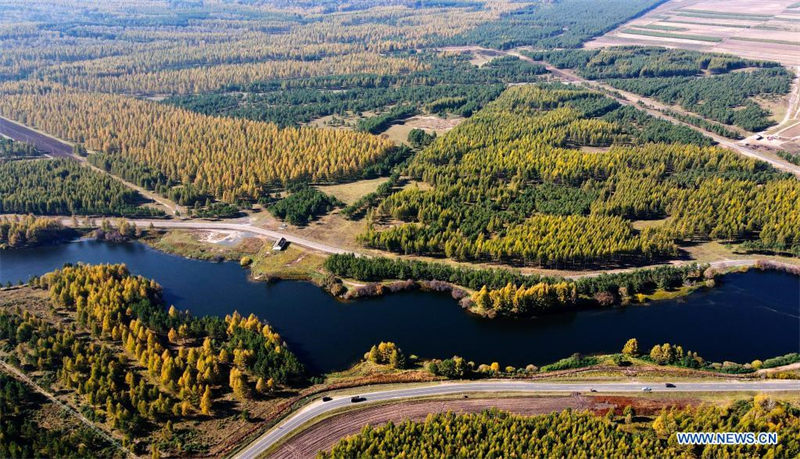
point(398, 133)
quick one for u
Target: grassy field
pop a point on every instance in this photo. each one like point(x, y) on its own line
point(292, 263)
point(651, 33)
point(764, 40)
point(351, 192)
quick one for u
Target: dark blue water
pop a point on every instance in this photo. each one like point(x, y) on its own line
point(750, 315)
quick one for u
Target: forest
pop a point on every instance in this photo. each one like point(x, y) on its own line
point(303, 204)
point(515, 184)
point(499, 434)
point(703, 83)
point(564, 24)
point(229, 159)
point(295, 101)
point(64, 187)
point(25, 435)
point(142, 365)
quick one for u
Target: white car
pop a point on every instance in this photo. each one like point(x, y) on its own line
point(647, 389)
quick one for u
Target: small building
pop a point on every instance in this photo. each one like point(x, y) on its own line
point(759, 136)
point(280, 244)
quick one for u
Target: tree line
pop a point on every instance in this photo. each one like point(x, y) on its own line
point(30, 231)
point(64, 187)
point(496, 433)
point(10, 149)
point(303, 204)
point(509, 293)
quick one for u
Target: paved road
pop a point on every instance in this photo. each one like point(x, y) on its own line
point(242, 224)
point(319, 408)
point(231, 225)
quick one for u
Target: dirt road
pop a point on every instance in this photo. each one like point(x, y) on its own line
point(59, 148)
point(653, 107)
point(17, 374)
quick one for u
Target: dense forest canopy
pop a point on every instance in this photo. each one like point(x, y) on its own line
point(277, 67)
point(516, 184)
point(64, 187)
point(226, 158)
point(26, 433)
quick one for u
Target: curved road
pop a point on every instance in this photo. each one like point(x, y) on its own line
point(318, 408)
point(230, 225)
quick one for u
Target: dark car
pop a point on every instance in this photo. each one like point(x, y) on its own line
point(357, 399)
point(326, 399)
point(669, 384)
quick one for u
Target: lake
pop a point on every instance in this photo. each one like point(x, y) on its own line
point(750, 315)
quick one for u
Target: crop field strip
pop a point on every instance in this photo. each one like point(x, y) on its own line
point(653, 33)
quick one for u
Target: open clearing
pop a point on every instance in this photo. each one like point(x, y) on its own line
point(351, 192)
point(749, 28)
point(398, 133)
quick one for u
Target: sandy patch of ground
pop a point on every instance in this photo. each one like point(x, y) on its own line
point(588, 149)
point(793, 131)
point(222, 237)
point(434, 123)
point(481, 58)
point(348, 121)
point(398, 133)
point(332, 229)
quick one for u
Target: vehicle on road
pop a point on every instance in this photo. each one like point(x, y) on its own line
point(647, 389)
point(326, 399)
point(669, 385)
point(593, 390)
point(357, 399)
